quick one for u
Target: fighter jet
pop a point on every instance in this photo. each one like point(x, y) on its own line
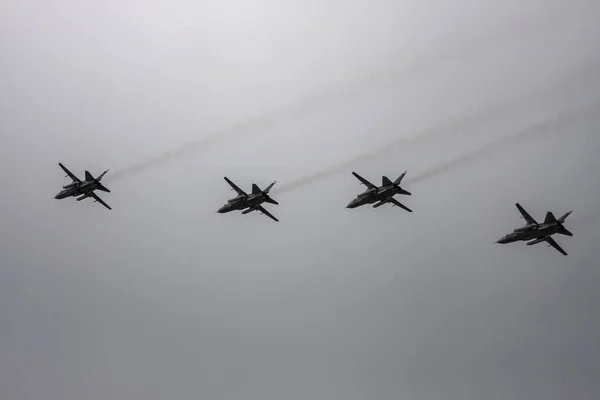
point(536, 233)
point(249, 202)
point(380, 195)
point(84, 189)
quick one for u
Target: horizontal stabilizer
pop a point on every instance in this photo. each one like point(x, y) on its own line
point(89, 176)
point(255, 189)
point(399, 190)
point(397, 181)
point(564, 231)
point(270, 200)
point(270, 187)
point(103, 188)
point(385, 181)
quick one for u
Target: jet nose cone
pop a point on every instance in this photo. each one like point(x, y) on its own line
point(223, 209)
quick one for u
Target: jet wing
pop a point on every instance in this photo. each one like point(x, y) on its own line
point(364, 181)
point(526, 215)
point(398, 204)
point(268, 214)
point(235, 187)
point(69, 173)
point(553, 243)
point(99, 200)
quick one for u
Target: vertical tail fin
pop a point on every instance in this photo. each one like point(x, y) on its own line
point(385, 181)
point(549, 218)
point(255, 189)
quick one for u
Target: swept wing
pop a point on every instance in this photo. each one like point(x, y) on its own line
point(235, 187)
point(69, 173)
point(394, 202)
point(526, 216)
point(553, 243)
point(550, 241)
point(268, 214)
point(364, 181)
point(99, 200)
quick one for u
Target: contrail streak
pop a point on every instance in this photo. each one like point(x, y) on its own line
point(323, 100)
point(573, 81)
point(505, 141)
point(547, 127)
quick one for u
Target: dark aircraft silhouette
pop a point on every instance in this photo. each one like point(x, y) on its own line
point(249, 202)
point(536, 233)
point(84, 189)
point(380, 195)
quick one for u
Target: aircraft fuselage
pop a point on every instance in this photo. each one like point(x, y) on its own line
point(76, 189)
point(531, 232)
point(371, 196)
point(242, 202)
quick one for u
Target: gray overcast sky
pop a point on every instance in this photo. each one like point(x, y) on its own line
point(162, 298)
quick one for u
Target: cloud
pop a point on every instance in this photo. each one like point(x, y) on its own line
point(322, 101)
point(555, 124)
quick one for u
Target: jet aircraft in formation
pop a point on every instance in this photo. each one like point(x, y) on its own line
point(380, 195)
point(535, 232)
point(83, 189)
point(249, 202)
point(532, 232)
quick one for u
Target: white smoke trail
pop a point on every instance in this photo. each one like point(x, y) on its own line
point(551, 126)
point(503, 142)
point(322, 101)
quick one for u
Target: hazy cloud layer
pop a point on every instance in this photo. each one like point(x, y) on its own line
point(484, 105)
